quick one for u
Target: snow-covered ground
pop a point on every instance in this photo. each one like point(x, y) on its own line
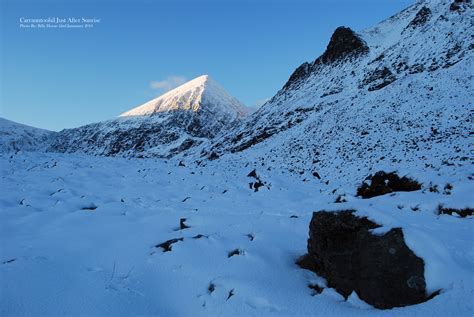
point(60, 256)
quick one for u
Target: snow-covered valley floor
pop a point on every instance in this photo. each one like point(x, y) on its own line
point(78, 237)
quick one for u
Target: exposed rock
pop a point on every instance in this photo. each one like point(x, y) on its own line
point(460, 212)
point(300, 73)
point(382, 183)
point(256, 185)
point(378, 79)
point(167, 246)
point(316, 288)
point(231, 293)
point(182, 224)
point(9, 261)
point(234, 252)
point(186, 145)
point(459, 5)
point(213, 156)
point(258, 181)
point(253, 174)
point(344, 42)
point(421, 18)
point(416, 68)
point(211, 288)
point(265, 134)
point(382, 270)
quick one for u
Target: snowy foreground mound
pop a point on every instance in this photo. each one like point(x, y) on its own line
point(79, 236)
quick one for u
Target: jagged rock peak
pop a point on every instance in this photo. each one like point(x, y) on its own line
point(344, 42)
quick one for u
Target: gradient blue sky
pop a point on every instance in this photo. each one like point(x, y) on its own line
point(57, 79)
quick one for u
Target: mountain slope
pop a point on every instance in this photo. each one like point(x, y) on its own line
point(398, 93)
point(190, 114)
point(19, 137)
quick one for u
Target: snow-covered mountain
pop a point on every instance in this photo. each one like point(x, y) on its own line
point(182, 118)
point(19, 137)
point(201, 94)
point(400, 92)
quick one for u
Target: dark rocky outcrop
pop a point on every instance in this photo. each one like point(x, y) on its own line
point(300, 73)
point(465, 212)
point(459, 5)
point(378, 79)
point(260, 137)
point(258, 181)
point(382, 183)
point(344, 43)
point(420, 18)
point(382, 270)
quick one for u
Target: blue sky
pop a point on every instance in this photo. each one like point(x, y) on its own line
point(65, 78)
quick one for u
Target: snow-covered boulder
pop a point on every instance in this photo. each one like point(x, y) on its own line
point(382, 183)
point(381, 269)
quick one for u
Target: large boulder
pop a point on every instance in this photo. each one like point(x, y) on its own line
point(381, 269)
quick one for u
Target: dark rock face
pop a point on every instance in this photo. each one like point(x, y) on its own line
point(381, 269)
point(344, 42)
point(459, 5)
point(265, 134)
point(300, 73)
point(382, 183)
point(460, 212)
point(378, 79)
point(421, 17)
